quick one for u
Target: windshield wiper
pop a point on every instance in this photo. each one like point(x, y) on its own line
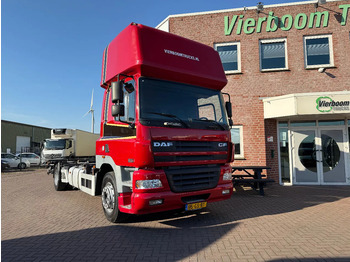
point(170, 116)
point(210, 121)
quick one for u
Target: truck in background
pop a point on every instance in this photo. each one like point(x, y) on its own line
point(165, 139)
point(68, 146)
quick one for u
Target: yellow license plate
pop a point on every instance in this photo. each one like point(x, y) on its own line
point(195, 206)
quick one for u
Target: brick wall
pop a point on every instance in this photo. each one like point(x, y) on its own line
point(248, 87)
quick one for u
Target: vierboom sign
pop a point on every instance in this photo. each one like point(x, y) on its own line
point(326, 104)
point(237, 23)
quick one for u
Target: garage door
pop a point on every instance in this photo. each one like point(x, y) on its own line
point(22, 144)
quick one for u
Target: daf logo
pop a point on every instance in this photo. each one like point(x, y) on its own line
point(163, 144)
point(222, 144)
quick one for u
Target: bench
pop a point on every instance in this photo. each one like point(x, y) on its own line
point(255, 179)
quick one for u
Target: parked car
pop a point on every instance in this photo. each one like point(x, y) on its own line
point(33, 158)
point(4, 165)
point(15, 161)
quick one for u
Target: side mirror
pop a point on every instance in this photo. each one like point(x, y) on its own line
point(228, 107)
point(129, 87)
point(117, 92)
point(118, 110)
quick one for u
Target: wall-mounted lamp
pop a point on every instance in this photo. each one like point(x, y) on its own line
point(321, 70)
point(259, 7)
point(319, 2)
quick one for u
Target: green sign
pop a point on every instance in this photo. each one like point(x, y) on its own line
point(238, 24)
point(326, 104)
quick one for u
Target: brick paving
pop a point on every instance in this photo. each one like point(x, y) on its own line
point(310, 223)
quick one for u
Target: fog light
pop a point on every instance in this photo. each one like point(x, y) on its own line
point(226, 191)
point(156, 202)
point(227, 176)
point(148, 184)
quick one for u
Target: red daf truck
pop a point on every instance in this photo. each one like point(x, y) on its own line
point(164, 142)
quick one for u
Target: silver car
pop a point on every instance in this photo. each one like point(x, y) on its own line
point(33, 158)
point(14, 161)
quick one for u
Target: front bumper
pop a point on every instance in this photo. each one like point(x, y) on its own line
point(139, 203)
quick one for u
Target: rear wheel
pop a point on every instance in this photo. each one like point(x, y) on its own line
point(110, 199)
point(59, 186)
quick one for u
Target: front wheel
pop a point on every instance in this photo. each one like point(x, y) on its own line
point(22, 165)
point(110, 199)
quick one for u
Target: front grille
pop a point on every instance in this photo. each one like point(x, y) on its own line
point(188, 146)
point(192, 178)
point(169, 152)
point(177, 158)
point(52, 156)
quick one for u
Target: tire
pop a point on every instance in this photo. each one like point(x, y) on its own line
point(22, 165)
point(109, 197)
point(57, 182)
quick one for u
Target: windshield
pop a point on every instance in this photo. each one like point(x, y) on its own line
point(56, 144)
point(170, 104)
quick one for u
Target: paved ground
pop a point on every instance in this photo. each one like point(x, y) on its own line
point(288, 224)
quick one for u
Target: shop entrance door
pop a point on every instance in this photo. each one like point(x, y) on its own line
point(305, 157)
point(318, 156)
point(333, 157)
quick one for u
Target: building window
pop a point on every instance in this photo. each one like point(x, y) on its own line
point(318, 51)
point(273, 54)
point(230, 55)
point(237, 139)
point(302, 123)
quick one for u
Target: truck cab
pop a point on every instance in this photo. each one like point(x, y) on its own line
point(59, 146)
point(165, 137)
point(68, 145)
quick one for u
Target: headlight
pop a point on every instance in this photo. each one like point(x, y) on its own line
point(227, 176)
point(148, 184)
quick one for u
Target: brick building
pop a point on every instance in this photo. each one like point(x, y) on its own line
point(287, 67)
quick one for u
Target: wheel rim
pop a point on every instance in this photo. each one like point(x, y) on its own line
point(108, 197)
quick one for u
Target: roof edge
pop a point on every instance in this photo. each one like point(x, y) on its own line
point(239, 9)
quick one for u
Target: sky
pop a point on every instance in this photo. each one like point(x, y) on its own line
point(51, 52)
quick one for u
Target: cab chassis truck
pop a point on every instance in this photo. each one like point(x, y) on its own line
point(165, 140)
point(68, 146)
